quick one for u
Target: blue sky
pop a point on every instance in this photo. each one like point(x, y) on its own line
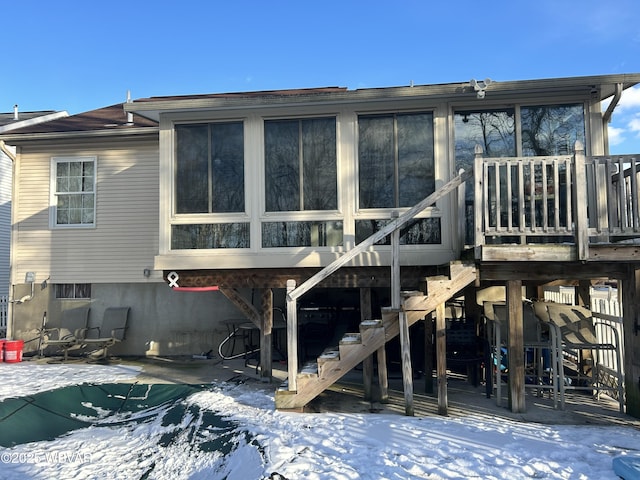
point(82, 55)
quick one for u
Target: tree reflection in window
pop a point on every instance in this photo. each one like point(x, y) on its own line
point(300, 165)
point(493, 130)
point(210, 168)
point(421, 231)
point(396, 159)
point(552, 129)
point(302, 234)
point(207, 236)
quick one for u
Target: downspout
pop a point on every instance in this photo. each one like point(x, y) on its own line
point(606, 118)
point(12, 156)
point(6, 151)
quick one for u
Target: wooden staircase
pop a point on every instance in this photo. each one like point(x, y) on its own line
point(355, 347)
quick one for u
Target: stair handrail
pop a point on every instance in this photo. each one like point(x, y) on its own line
point(395, 224)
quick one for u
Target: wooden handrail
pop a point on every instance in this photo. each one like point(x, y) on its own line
point(379, 235)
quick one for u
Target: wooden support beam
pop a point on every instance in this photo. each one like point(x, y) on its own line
point(266, 336)
point(243, 305)
point(631, 311)
point(395, 265)
point(441, 362)
point(292, 339)
point(407, 371)
point(367, 363)
point(428, 353)
point(579, 200)
point(383, 376)
point(516, 346)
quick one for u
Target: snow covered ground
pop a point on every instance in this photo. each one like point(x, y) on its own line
point(271, 444)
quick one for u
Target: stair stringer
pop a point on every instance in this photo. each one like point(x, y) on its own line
point(416, 306)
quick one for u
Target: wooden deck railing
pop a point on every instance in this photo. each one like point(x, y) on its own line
point(557, 199)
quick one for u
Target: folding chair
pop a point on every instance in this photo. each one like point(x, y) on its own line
point(535, 338)
point(574, 329)
point(112, 330)
point(71, 332)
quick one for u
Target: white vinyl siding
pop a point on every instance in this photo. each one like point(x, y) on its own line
point(125, 238)
point(5, 221)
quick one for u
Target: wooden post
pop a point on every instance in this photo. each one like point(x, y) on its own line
point(266, 336)
point(395, 303)
point(583, 297)
point(579, 201)
point(367, 363)
point(428, 353)
point(383, 377)
point(407, 371)
point(441, 363)
point(292, 338)
point(631, 320)
point(395, 265)
point(479, 200)
point(516, 346)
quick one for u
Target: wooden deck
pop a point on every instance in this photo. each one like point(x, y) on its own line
point(557, 209)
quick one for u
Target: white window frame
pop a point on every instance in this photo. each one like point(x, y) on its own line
point(53, 197)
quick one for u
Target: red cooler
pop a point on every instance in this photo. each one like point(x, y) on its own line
point(13, 351)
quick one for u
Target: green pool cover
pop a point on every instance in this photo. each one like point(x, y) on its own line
point(48, 415)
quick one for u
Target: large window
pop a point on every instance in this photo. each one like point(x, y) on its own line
point(552, 129)
point(73, 191)
point(210, 168)
point(395, 159)
point(300, 165)
point(546, 130)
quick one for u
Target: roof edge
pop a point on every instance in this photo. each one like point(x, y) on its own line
point(19, 138)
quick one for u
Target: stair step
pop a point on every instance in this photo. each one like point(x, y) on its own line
point(367, 324)
point(351, 338)
point(309, 369)
point(329, 354)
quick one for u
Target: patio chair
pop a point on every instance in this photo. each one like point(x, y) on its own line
point(574, 329)
point(536, 339)
point(71, 332)
point(112, 330)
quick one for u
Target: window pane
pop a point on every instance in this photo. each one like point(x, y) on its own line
point(207, 236)
point(552, 129)
point(423, 231)
point(75, 169)
point(416, 175)
point(62, 184)
point(282, 165)
point(73, 207)
point(493, 130)
point(301, 234)
point(192, 169)
point(376, 162)
point(227, 167)
point(319, 163)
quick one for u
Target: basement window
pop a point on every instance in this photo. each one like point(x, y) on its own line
point(74, 291)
